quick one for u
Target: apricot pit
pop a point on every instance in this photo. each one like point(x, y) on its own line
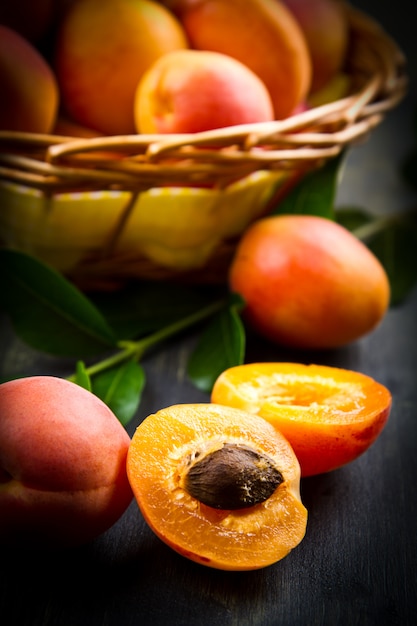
point(232, 477)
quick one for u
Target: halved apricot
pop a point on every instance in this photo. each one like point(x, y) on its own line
point(329, 415)
point(217, 485)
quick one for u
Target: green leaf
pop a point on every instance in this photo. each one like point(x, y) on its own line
point(221, 345)
point(393, 240)
point(352, 218)
point(315, 193)
point(121, 389)
point(81, 377)
point(47, 311)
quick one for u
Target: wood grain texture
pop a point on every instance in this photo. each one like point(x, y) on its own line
point(357, 564)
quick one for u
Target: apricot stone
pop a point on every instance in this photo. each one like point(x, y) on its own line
point(63, 455)
point(188, 91)
point(29, 91)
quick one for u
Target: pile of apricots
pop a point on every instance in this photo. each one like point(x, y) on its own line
point(115, 67)
point(218, 482)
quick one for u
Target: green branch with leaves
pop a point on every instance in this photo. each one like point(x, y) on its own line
point(107, 334)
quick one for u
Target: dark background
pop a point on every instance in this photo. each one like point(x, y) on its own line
point(357, 563)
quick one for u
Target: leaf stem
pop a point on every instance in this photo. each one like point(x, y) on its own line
point(136, 349)
point(368, 230)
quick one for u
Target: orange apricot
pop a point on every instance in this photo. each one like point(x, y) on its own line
point(218, 485)
point(329, 415)
point(102, 49)
point(67, 127)
point(307, 282)
point(29, 91)
point(262, 34)
point(326, 29)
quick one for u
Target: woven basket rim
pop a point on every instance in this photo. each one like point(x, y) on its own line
point(54, 163)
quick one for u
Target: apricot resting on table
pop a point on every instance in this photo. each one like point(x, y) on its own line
point(307, 282)
point(262, 34)
point(188, 91)
point(218, 485)
point(102, 49)
point(29, 90)
point(329, 415)
point(63, 477)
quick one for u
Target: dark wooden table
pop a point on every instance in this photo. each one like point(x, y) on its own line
point(358, 562)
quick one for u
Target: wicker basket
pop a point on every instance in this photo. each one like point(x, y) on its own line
point(104, 210)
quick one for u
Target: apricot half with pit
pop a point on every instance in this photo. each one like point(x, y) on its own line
point(329, 415)
point(218, 485)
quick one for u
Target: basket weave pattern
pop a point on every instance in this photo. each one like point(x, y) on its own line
point(222, 167)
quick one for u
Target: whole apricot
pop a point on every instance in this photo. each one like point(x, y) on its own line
point(63, 455)
point(326, 30)
point(262, 34)
point(329, 415)
point(218, 485)
point(307, 282)
point(29, 91)
point(187, 91)
point(103, 48)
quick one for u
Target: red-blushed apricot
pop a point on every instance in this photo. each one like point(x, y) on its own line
point(218, 485)
point(29, 91)
point(307, 282)
point(329, 415)
point(103, 48)
point(326, 29)
point(63, 477)
point(262, 34)
point(187, 91)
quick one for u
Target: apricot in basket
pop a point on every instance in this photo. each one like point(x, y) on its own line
point(329, 415)
point(218, 485)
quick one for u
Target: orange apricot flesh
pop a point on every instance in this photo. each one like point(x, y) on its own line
point(329, 415)
point(246, 538)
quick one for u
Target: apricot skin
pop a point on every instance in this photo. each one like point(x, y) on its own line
point(189, 91)
point(63, 455)
point(103, 48)
point(29, 91)
point(308, 282)
point(263, 35)
point(325, 28)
